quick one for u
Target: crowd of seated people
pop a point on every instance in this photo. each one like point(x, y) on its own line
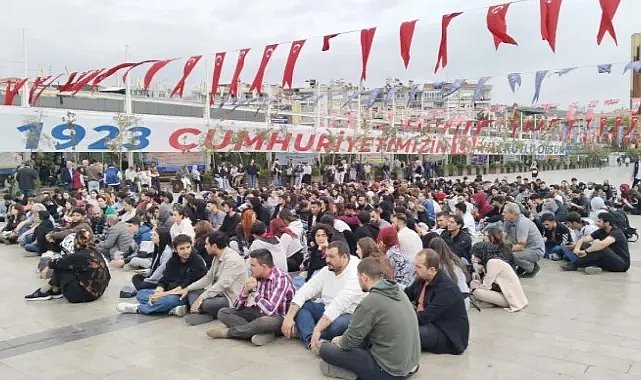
point(392, 264)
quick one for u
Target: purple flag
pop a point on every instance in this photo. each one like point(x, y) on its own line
point(636, 65)
point(317, 100)
point(413, 91)
point(479, 88)
point(352, 97)
point(538, 81)
point(605, 69)
point(371, 99)
point(514, 79)
point(390, 93)
point(450, 89)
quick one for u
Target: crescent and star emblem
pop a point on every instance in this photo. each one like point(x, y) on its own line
point(497, 9)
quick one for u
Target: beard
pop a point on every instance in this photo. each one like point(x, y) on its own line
point(331, 268)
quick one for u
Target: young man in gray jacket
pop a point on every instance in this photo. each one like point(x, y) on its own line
point(385, 320)
point(220, 287)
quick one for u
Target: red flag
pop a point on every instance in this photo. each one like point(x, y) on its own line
point(10, 92)
point(294, 51)
point(83, 81)
point(608, 10)
point(187, 69)
point(34, 96)
point(602, 123)
point(367, 36)
point(442, 50)
point(326, 41)
point(497, 25)
point(70, 79)
point(39, 81)
point(407, 33)
point(634, 120)
point(515, 125)
point(124, 76)
point(107, 73)
point(550, 10)
point(479, 126)
point(233, 86)
point(257, 84)
point(149, 75)
point(215, 80)
point(589, 115)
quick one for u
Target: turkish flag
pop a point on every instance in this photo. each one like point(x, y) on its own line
point(367, 36)
point(326, 41)
point(107, 73)
point(215, 80)
point(149, 75)
point(407, 34)
point(84, 80)
point(257, 84)
point(550, 10)
point(43, 83)
point(608, 10)
point(602, 123)
point(67, 85)
point(294, 51)
point(233, 86)
point(11, 92)
point(442, 50)
point(124, 76)
point(515, 125)
point(634, 120)
point(187, 69)
point(497, 25)
point(479, 127)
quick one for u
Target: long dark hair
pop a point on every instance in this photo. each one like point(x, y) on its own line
point(448, 258)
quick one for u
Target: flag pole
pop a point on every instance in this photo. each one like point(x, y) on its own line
point(25, 87)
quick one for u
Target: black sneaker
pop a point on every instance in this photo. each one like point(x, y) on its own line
point(38, 295)
point(56, 295)
point(536, 270)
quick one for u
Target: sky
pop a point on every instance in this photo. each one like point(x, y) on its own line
point(87, 34)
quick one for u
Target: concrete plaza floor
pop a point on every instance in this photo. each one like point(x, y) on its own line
point(575, 327)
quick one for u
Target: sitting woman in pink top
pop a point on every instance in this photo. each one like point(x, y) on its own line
point(499, 284)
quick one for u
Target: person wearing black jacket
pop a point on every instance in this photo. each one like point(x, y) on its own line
point(81, 276)
point(458, 238)
point(262, 213)
point(40, 234)
point(365, 229)
point(197, 207)
point(496, 214)
point(440, 309)
point(181, 270)
point(231, 220)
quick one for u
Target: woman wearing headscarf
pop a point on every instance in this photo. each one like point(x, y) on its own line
point(290, 243)
point(388, 243)
point(499, 286)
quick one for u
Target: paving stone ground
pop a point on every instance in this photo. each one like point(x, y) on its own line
point(575, 327)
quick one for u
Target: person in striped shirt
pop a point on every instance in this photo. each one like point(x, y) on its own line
point(258, 312)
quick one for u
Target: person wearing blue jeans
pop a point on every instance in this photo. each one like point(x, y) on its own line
point(338, 293)
point(182, 269)
point(310, 314)
point(162, 306)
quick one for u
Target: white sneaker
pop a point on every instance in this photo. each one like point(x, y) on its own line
point(127, 308)
point(179, 311)
point(262, 339)
point(593, 270)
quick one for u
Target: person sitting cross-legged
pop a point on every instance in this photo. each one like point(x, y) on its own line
point(382, 341)
point(323, 307)
point(440, 309)
point(221, 285)
point(609, 249)
point(182, 269)
point(258, 312)
point(557, 237)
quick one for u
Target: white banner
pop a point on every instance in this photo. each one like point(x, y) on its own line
point(53, 130)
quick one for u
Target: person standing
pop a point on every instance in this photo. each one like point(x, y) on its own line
point(385, 323)
point(252, 174)
point(276, 172)
point(195, 177)
point(26, 178)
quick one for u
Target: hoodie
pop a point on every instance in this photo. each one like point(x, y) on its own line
point(386, 320)
point(272, 244)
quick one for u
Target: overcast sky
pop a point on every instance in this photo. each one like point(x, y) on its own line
point(84, 34)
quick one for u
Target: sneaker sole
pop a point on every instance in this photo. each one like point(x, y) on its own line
point(57, 296)
point(262, 339)
point(336, 372)
point(593, 271)
point(47, 298)
point(179, 311)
